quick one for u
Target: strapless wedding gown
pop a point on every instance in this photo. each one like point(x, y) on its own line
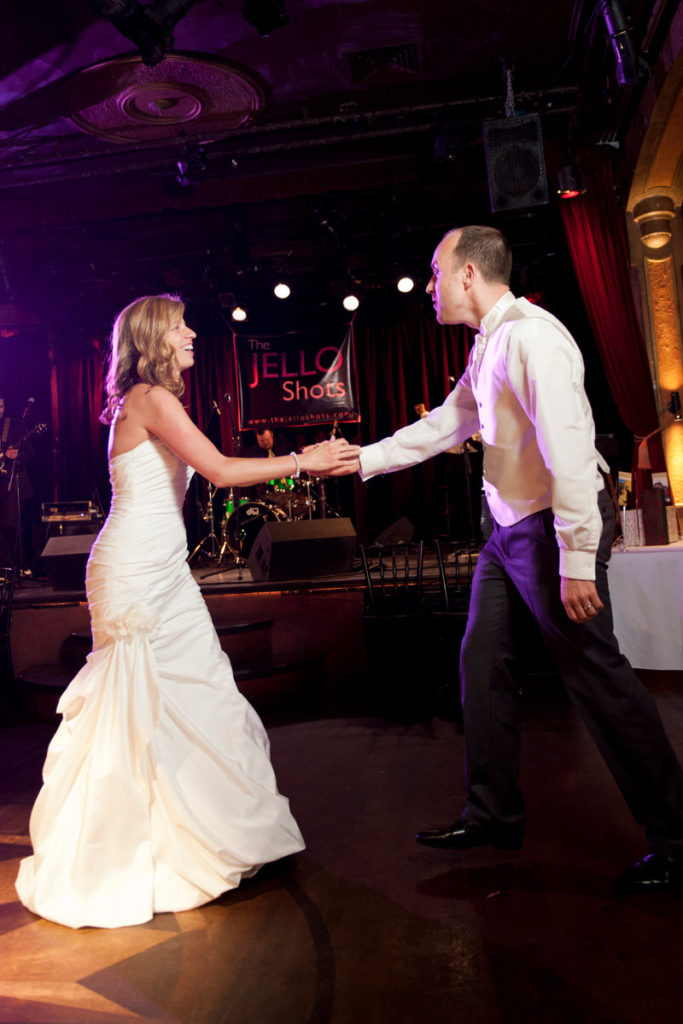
point(158, 790)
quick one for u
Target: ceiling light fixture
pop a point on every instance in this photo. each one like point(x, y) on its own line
point(350, 302)
point(150, 27)
point(239, 314)
point(191, 163)
point(282, 290)
point(570, 182)
point(631, 65)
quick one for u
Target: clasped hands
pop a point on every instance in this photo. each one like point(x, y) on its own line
point(332, 458)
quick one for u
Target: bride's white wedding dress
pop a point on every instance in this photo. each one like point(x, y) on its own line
point(158, 790)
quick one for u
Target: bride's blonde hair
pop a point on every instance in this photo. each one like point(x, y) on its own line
point(139, 350)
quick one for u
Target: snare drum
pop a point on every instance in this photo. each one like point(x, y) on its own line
point(252, 515)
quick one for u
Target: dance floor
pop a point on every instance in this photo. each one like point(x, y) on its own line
point(365, 926)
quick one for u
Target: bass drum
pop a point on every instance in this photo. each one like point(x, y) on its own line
point(245, 523)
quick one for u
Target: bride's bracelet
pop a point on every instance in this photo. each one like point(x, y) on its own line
point(298, 467)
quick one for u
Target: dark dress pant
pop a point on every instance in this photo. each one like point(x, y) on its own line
point(523, 561)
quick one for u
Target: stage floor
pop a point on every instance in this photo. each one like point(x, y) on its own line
point(222, 578)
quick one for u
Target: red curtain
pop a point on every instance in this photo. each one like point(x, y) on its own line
point(210, 388)
point(401, 362)
point(79, 439)
point(596, 238)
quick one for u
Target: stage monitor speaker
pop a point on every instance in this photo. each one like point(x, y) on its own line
point(303, 549)
point(400, 532)
point(64, 559)
point(515, 163)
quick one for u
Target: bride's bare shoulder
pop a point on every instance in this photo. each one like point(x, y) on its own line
point(129, 426)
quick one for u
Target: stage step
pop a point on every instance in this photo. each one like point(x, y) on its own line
point(264, 679)
point(39, 687)
point(247, 642)
point(277, 682)
point(245, 639)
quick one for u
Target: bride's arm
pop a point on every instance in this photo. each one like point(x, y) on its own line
point(163, 416)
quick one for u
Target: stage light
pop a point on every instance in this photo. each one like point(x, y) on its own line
point(350, 303)
point(631, 65)
point(191, 163)
point(405, 284)
point(570, 182)
point(282, 290)
point(150, 27)
point(239, 313)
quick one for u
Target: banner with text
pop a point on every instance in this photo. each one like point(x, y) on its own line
point(296, 379)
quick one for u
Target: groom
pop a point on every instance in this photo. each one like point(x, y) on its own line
point(551, 542)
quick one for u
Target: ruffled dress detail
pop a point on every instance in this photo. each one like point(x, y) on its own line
point(158, 792)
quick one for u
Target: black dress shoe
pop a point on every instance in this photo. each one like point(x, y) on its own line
point(655, 872)
point(464, 834)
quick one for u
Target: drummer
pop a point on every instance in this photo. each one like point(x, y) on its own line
point(267, 447)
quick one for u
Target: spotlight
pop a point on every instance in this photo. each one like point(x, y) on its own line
point(265, 15)
point(570, 182)
point(191, 164)
point(630, 64)
point(149, 27)
point(239, 313)
point(405, 284)
point(282, 290)
point(350, 303)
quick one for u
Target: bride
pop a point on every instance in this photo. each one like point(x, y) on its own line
point(158, 790)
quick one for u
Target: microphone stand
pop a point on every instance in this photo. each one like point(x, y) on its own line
point(468, 451)
point(209, 540)
point(18, 550)
point(235, 495)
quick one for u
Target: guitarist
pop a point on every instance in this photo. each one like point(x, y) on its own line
point(15, 485)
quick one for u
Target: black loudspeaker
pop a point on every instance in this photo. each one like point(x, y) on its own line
point(65, 559)
point(400, 532)
point(515, 163)
point(302, 549)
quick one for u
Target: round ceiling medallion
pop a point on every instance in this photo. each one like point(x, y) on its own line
point(126, 101)
point(160, 103)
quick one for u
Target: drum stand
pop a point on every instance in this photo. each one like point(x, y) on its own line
point(234, 499)
point(309, 499)
point(325, 508)
point(209, 544)
point(233, 496)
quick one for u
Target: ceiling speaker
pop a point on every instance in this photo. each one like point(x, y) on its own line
point(515, 163)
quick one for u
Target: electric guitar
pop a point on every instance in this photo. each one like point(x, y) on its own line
point(5, 462)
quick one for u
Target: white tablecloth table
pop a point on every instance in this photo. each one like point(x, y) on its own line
point(646, 587)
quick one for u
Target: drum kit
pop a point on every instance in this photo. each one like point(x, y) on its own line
point(241, 518)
